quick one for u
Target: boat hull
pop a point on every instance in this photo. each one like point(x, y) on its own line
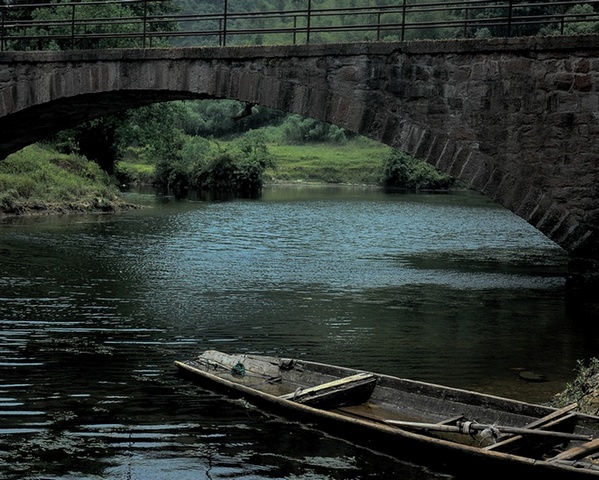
point(463, 460)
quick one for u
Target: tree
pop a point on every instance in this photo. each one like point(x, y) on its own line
point(220, 118)
point(574, 26)
point(298, 130)
point(64, 24)
point(97, 140)
point(152, 130)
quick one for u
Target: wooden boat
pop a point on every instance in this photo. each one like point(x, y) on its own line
point(457, 431)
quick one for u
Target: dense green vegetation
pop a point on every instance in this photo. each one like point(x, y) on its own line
point(160, 145)
point(37, 179)
point(401, 171)
point(278, 149)
point(583, 390)
point(56, 34)
point(443, 21)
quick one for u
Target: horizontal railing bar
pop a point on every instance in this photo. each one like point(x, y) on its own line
point(296, 21)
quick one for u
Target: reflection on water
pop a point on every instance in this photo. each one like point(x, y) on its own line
point(94, 309)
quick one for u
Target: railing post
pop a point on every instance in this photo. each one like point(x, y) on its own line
point(145, 24)
point(73, 27)
point(403, 20)
point(509, 18)
point(466, 20)
point(2, 28)
point(308, 21)
point(224, 42)
point(294, 29)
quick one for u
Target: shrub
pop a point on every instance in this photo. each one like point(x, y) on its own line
point(240, 169)
point(135, 173)
point(401, 171)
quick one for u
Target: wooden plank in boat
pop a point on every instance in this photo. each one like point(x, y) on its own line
point(552, 419)
point(578, 452)
point(350, 390)
point(266, 366)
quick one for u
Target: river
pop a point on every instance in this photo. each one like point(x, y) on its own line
point(446, 288)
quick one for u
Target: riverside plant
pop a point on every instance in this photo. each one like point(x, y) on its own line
point(584, 390)
point(37, 177)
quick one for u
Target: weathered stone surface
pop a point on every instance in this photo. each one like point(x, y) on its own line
point(515, 118)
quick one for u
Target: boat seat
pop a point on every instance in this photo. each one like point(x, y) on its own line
point(554, 418)
point(360, 384)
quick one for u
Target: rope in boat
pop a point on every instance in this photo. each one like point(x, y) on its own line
point(298, 390)
point(238, 369)
point(491, 433)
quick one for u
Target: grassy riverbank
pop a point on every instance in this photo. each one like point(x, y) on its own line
point(358, 161)
point(37, 180)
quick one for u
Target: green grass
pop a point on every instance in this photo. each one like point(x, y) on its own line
point(357, 162)
point(129, 171)
point(37, 176)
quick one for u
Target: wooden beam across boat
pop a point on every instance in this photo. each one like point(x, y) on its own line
point(469, 428)
point(350, 390)
point(547, 421)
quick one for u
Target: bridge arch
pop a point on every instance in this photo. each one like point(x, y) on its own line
point(516, 119)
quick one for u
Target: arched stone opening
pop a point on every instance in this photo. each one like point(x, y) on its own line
point(515, 120)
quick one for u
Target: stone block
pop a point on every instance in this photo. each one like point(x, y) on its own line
point(583, 83)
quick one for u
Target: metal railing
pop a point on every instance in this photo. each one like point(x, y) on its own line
point(145, 24)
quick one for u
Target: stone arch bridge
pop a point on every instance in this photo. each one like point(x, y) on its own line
point(516, 119)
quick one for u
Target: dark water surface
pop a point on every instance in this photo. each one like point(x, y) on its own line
point(94, 310)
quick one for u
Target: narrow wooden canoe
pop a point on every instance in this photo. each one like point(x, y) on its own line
point(457, 431)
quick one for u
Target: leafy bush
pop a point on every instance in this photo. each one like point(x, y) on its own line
point(238, 170)
point(401, 171)
point(583, 390)
point(205, 165)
